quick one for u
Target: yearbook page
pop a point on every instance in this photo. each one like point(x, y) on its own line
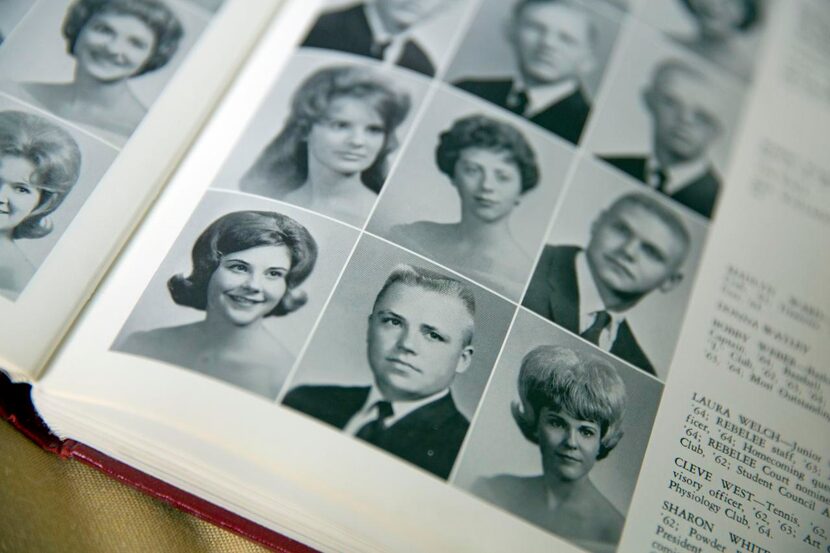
point(83, 153)
point(427, 259)
point(740, 459)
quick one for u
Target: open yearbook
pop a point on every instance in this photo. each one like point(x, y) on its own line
point(431, 275)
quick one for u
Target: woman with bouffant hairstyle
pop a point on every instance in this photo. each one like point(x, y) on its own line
point(247, 266)
point(112, 42)
point(491, 166)
point(331, 155)
point(39, 164)
point(571, 405)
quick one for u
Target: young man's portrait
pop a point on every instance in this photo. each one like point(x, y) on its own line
point(667, 121)
point(385, 30)
point(401, 363)
point(619, 271)
point(547, 65)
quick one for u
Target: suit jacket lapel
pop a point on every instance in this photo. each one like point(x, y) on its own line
point(699, 194)
point(626, 347)
point(633, 166)
point(413, 57)
point(430, 416)
point(564, 296)
point(565, 117)
point(349, 402)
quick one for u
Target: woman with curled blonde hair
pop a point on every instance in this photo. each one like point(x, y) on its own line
point(39, 164)
point(571, 405)
point(331, 156)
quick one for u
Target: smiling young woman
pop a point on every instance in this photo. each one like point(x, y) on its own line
point(331, 156)
point(721, 30)
point(491, 165)
point(247, 266)
point(112, 42)
point(39, 165)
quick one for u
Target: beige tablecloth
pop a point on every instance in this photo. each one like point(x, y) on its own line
point(50, 504)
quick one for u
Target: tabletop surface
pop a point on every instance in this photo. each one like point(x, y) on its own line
point(52, 504)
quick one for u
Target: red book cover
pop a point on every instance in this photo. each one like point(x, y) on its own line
point(16, 407)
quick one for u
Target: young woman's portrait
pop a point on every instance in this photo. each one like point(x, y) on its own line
point(331, 155)
point(112, 41)
point(244, 297)
point(99, 63)
point(725, 32)
point(39, 164)
point(560, 436)
point(479, 201)
point(571, 406)
point(491, 166)
point(247, 265)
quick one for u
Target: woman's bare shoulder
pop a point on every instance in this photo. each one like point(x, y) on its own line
point(154, 341)
point(46, 95)
point(607, 518)
point(271, 351)
point(508, 490)
point(421, 235)
point(15, 270)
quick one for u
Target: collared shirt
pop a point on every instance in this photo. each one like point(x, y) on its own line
point(400, 409)
point(380, 35)
point(677, 176)
point(590, 302)
point(539, 98)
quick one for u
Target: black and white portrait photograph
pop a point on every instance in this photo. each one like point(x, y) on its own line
point(725, 32)
point(326, 135)
point(541, 59)
point(239, 291)
point(413, 34)
point(47, 171)
point(474, 191)
point(560, 436)
point(11, 12)
point(99, 63)
point(401, 356)
point(618, 267)
point(667, 120)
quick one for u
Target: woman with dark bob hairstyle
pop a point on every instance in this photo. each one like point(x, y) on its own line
point(491, 165)
point(721, 31)
point(247, 266)
point(331, 156)
point(112, 41)
point(39, 164)
point(571, 405)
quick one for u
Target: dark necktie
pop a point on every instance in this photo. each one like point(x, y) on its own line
point(378, 49)
point(659, 179)
point(518, 101)
point(373, 429)
point(601, 321)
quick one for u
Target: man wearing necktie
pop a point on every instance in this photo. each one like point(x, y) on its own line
point(420, 337)
point(553, 43)
point(637, 247)
point(379, 29)
point(685, 124)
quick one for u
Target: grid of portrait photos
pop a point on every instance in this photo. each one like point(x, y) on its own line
point(78, 76)
point(465, 232)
